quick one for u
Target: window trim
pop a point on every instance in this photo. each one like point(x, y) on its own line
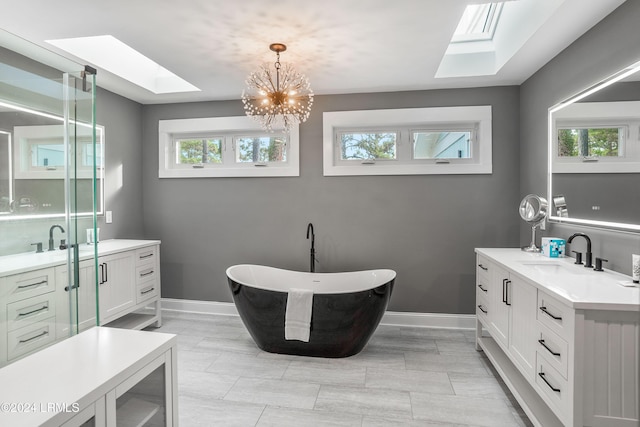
point(228, 127)
point(413, 119)
point(25, 137)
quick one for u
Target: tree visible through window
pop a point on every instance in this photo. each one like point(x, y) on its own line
point(582, 142)
point(199, 151)
point(260, 149)
point(368, 146)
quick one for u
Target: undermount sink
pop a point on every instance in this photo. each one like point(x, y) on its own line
point(554, 268)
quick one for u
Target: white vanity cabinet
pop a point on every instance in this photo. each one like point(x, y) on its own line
point(565, 339)
point(116, 285)
point(510, 304)
point(35, 299)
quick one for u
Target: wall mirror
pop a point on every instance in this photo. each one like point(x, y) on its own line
point(594, 155)
point(33, 167)
point(40, 109)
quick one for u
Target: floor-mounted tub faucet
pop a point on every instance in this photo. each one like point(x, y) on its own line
point(51, 235)
point(587, 257)
point(312, 259)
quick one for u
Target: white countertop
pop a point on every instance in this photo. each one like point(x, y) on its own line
point(19, 263)
point(575, 285)
point(77, 370)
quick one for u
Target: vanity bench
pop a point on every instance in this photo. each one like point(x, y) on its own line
point(564, 338)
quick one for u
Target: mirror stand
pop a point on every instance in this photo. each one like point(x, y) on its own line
point(532, 246)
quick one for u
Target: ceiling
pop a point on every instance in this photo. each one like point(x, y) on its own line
point(342, 46)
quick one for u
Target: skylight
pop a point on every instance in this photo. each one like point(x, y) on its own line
point(478, 22)
point(114, 56)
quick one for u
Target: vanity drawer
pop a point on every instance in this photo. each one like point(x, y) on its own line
point(30, 338)
point(29, 284)
point(146, 255)
point(31, 310)
point(146, 273)
point(553, 349)
point(146, 291)
point(483, 270)
point(556, 316)
point(553, 388)
point(482, 290)
point(482, 307)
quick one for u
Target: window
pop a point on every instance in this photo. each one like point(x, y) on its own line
point(260, 149)
point(441, 144)
point(590, 141)
point(595, 137)
point(368, 145)
point(225, 146)
point(40, 151)
point(416, 141)
point(198, 151)
point(478, 22)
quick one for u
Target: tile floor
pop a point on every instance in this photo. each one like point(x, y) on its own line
point(405, 376)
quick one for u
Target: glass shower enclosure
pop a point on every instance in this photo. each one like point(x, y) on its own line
point(50, 196)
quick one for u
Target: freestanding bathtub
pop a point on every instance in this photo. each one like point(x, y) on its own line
point(347, 307)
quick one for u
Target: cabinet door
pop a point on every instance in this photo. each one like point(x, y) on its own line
point(84, 312)
point(500, 306)
point(522, 335)
point(116, 279)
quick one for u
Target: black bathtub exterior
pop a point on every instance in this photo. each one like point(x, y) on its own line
point(341, 324)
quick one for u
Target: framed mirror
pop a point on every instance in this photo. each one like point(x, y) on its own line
point(594, 155)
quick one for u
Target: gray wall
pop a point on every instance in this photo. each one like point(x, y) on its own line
point(612, 44)
point(424, 227)
point(122, 119)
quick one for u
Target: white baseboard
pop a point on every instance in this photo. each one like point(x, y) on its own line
point(393, 318)
point(194, 306)
point(430, 320)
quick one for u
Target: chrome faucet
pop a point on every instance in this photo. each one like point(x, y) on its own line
point(51, 235)
point(312, 257)
point(587, 257)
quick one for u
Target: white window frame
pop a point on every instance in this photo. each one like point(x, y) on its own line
point(407, 120)
point(27, 136)
point(228, 128)
point(622, 114)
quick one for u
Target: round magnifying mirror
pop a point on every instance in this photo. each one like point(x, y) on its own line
point(533, 209)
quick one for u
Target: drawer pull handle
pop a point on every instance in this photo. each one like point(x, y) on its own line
point(44, 307)
point(548, 349)
point(147, 291)
point(34, 337)
point(541, 375)
point(146, 273)
point(482, 309)
point(483, 267)
point(545, 311)
point(32, 284)
point(482, 289)
point(146, 256)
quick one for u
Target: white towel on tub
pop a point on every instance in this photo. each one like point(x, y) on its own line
point(297, 320)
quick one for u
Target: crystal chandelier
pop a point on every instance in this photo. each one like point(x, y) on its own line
point(280, 98)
